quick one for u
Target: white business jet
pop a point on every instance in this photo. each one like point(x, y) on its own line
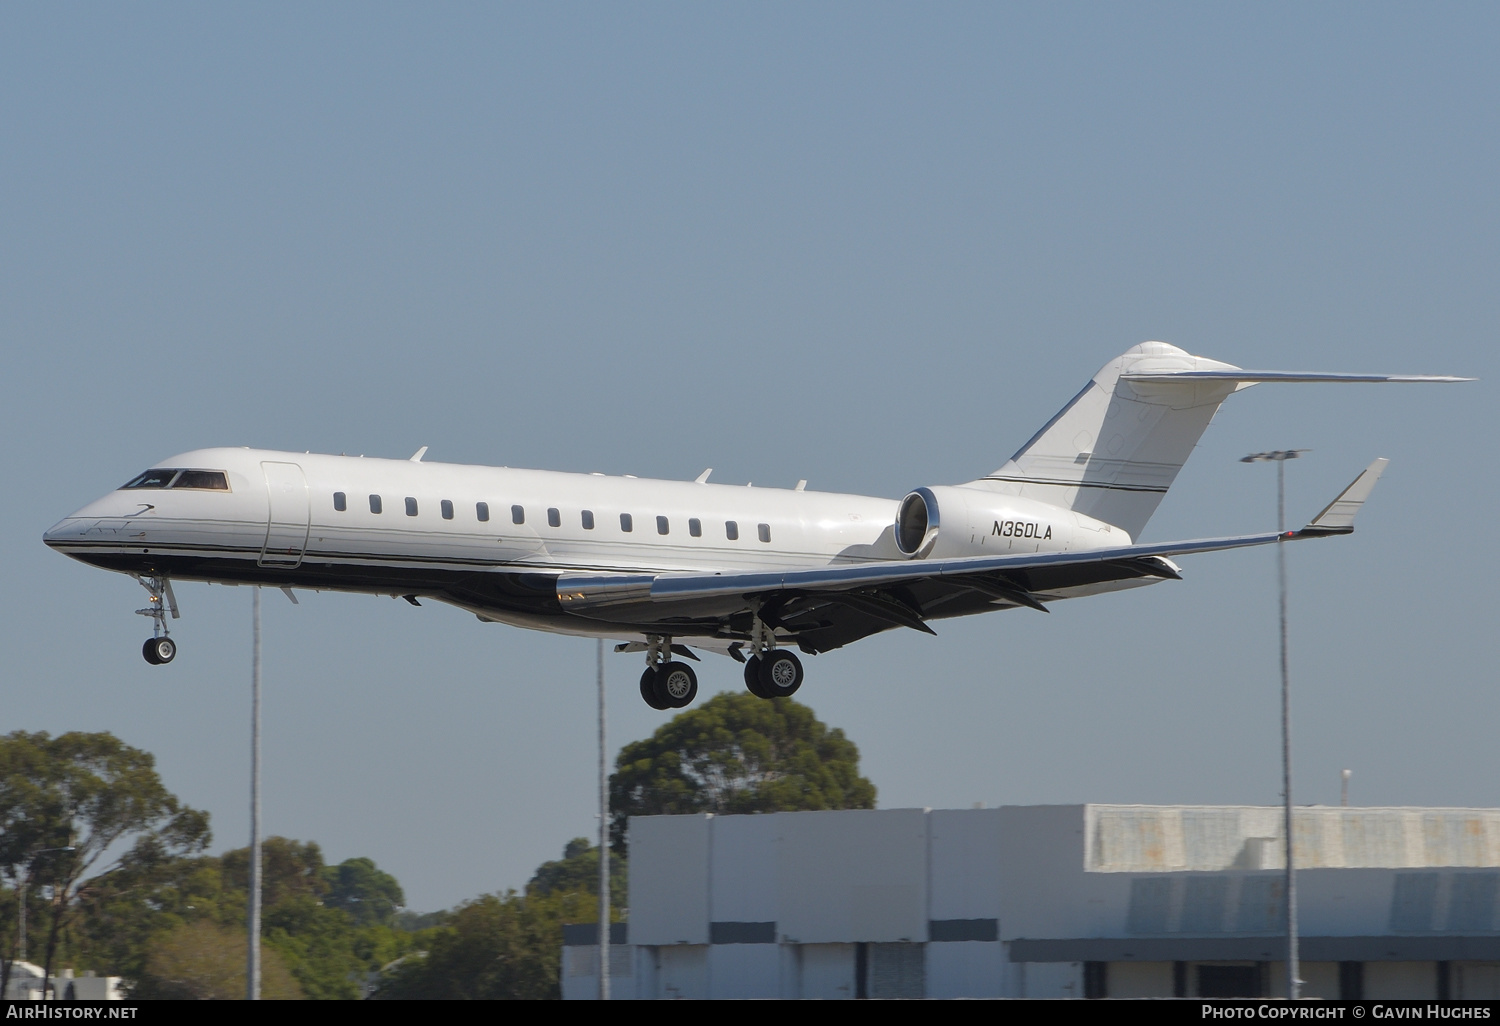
point(666, 566)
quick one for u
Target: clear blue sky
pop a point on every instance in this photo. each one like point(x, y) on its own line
point(873, 246)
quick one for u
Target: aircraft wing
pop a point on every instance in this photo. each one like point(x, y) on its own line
point(829, 606)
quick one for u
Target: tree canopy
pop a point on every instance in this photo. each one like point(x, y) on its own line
point(202, 961)
point(115, 879)
point(509, 945)
point(118, 880)
point(737, 753)
point(360, 889)
point(175, 924)
point(67, 801)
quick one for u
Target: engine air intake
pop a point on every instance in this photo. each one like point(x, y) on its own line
point(916, 522)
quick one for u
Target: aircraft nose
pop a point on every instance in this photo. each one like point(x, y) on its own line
point(68, 529)
point(54, 534)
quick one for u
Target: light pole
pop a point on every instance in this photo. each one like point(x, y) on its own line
point(603, 938)
point(252, 958)
point(1279, 457)
point(25, 884)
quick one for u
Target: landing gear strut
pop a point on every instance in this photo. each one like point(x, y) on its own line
point(770, 672)
point(159, 649)
point(666, 684)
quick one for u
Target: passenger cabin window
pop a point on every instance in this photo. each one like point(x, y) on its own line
point(340, 501)
point(731, 530)
point(764, 530)
point(588, 523)
point(695, 527)
point(518, 514)
point(482, 511)
point(174, 477)
point(554, 518)
point(447, 507)
point(374, 504)
point(625, 523)
point(411, 506)
point(661, 525)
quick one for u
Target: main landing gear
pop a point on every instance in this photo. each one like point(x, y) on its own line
point(159, 649)
point(770, 672)
point(666, 684)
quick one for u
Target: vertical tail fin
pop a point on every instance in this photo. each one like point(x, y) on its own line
point(1113, 451)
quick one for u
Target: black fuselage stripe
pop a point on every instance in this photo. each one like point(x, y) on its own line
point(143, 553)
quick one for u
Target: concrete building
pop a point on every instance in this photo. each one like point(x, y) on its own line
point(1053, 901)
point(26, 985)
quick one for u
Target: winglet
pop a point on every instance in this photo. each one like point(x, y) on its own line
point(1338, 516)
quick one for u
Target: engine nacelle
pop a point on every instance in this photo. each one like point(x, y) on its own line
point(951, 521)
point(917, 523)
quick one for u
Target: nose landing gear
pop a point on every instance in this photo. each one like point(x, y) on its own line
point(159, 649)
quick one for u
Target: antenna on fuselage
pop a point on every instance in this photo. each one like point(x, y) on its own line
point(416, 457)
point(703, 477)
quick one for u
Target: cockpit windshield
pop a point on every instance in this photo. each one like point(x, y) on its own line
point(213, 480)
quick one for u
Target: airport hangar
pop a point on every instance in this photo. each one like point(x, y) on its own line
point(1052, 901)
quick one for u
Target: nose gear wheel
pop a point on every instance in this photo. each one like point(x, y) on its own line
point(159, 649)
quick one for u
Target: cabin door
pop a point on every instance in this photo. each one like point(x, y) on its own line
point(289, 516)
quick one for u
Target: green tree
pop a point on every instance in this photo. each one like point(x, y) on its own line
point(205, 961)
point(78, 798)
point(497, 946)
point(357, 887)
point(509, 945)
point(737, 753)
point(129, 913)
point(578, 870)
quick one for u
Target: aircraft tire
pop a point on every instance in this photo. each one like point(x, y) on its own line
point(752, 677)
point(780, 673)
point(159, 651)
point(676, 685)
point(648, 689)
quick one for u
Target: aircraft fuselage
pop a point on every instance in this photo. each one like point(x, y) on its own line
point(493, 539)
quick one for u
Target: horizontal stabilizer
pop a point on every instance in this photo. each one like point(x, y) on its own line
point(1250, 377)
point(1338, 516)
point(1114, 450)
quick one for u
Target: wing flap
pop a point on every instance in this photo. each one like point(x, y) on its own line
point(670, 586)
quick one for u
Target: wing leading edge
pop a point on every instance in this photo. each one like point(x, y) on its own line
point(826, 607)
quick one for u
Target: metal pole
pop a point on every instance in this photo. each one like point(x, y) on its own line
point(603, 838)
point(25, 882)
point(252, 966)
point(1293, 984)
point(1279, 457)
